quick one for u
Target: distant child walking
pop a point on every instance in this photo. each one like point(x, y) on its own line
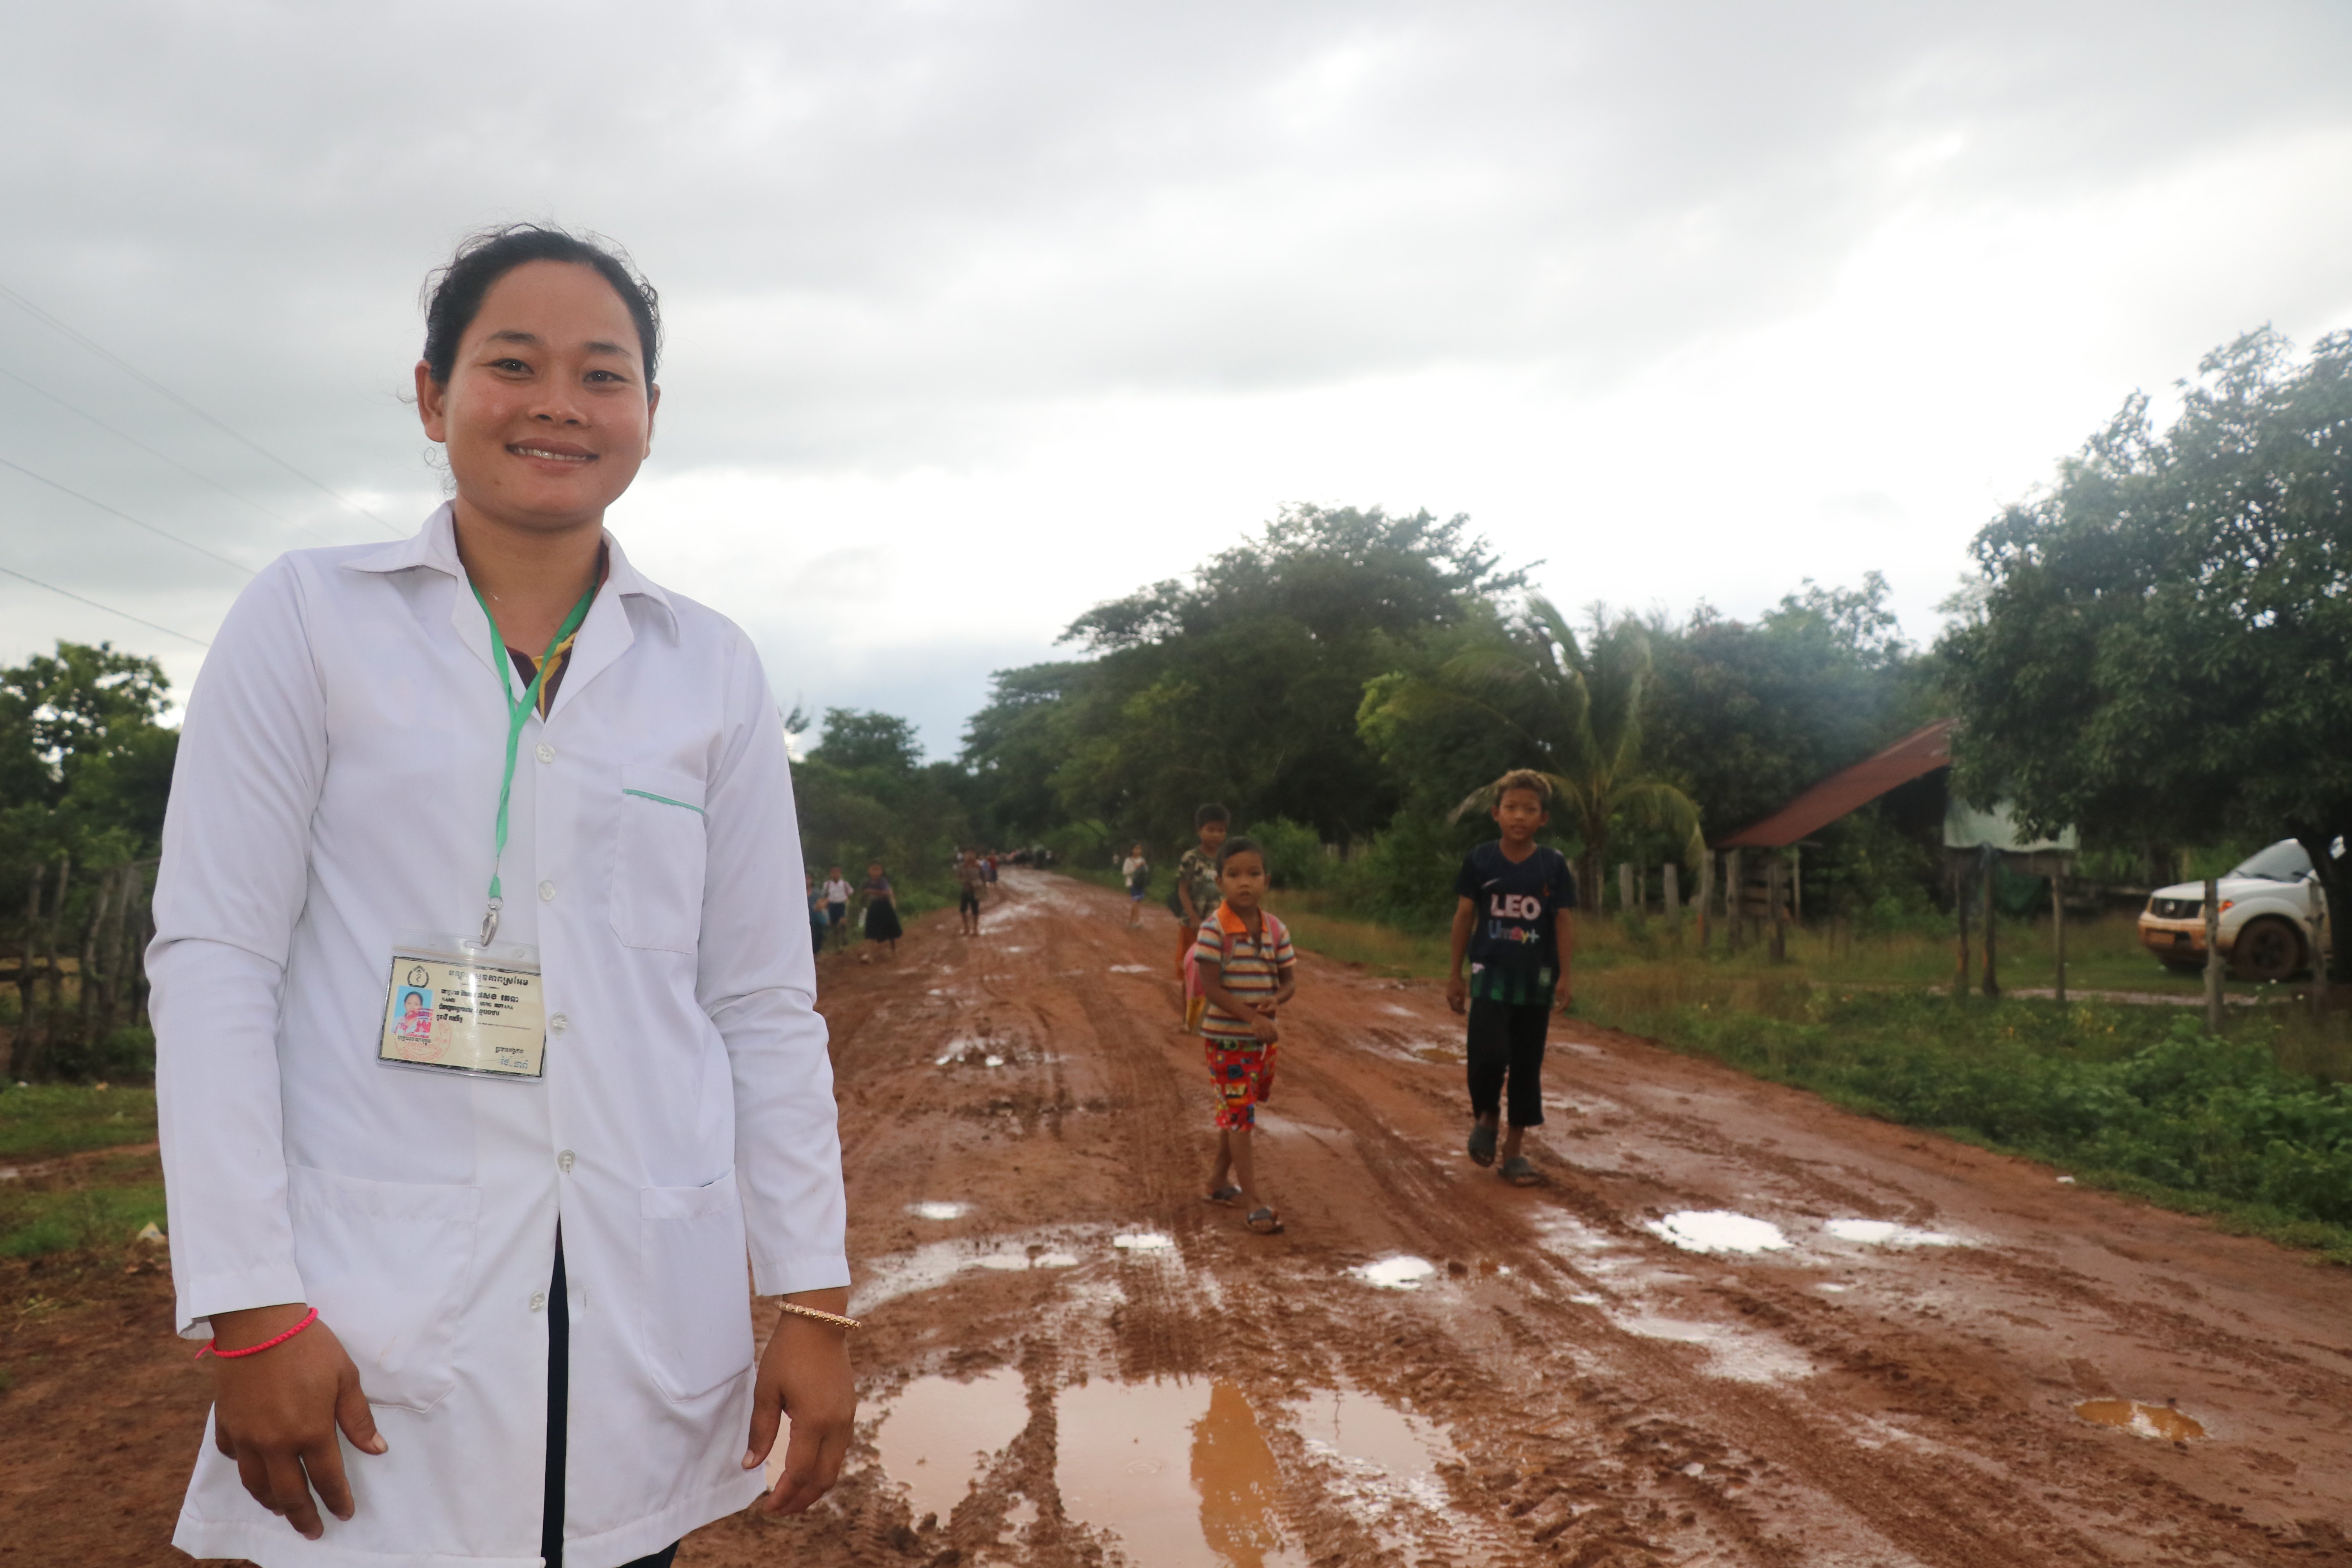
point(818, 920)
point(838, 892)
point(1511, 920)
point(881, 909)
point(1246, 969)
point(1195, 894)
point(1136, 872)
point(971, 880)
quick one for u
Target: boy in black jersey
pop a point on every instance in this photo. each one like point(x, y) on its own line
point(1512, 923)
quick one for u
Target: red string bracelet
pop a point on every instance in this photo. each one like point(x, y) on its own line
point(309, 1318)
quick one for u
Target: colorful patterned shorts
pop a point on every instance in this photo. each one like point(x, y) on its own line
point(1242, 1076)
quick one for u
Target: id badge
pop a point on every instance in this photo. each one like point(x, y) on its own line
point(455, 1006)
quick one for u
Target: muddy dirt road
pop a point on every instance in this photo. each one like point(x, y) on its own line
point(1073, 1359)
point(1736, 1326)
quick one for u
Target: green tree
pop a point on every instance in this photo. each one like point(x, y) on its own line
point(85, 772)
point(865, 793)
point(1572, 708)
point(1239, 686)
point(2164, 635)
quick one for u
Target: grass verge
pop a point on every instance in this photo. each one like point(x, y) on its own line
point(52, 1119)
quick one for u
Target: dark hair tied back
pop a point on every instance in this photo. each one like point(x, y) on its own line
point(452, 294)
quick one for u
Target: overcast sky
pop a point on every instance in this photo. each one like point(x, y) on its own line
point(980, 314)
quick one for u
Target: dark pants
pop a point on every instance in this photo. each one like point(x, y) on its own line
point(559, 1403)
point(1507, 1040)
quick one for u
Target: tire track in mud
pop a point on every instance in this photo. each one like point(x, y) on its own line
point(1920, 1419)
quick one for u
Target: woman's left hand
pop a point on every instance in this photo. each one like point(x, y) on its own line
point(804, 1375)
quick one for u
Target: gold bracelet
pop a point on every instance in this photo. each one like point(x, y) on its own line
point(836, 1318)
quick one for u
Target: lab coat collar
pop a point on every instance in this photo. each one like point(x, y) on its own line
point(603, 636)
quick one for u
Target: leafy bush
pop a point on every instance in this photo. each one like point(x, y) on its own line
point(1294, 854)
point(125, 1056)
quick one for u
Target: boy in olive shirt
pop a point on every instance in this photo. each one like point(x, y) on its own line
point(1194, 898)
point(1511, 920)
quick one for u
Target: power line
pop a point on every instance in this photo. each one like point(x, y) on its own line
point(196, 474)
point(151, 382)
point(109, 609)
point(118, 511)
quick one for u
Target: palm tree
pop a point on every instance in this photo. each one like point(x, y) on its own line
point(1575, 708)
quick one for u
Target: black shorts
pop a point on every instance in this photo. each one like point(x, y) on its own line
point(968, 902)
point(1506, 1043)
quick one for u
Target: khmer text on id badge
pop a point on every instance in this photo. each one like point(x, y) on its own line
point(456, 1008)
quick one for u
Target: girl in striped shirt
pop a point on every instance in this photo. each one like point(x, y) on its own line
point(1246, 969)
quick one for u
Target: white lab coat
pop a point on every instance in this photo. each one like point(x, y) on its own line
point(337, 781)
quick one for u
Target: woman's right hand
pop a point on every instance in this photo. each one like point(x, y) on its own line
point(276, 1414)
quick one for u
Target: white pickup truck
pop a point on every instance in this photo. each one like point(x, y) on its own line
point(2273, 917)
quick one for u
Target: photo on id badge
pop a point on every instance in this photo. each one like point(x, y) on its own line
point(453, 1006)
point(415, 1008)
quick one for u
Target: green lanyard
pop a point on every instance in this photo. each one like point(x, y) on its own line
point(518, 711)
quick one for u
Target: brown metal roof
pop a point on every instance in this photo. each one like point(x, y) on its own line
point(1921, 752)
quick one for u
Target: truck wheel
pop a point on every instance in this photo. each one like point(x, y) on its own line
point(2268, 949)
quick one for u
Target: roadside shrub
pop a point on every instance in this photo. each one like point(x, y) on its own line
point(125, 1056)
point(1295, 854)
point(2133, 1092)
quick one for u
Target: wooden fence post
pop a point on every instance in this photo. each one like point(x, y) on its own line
point(1671, 892)
point(2318, 954)
point(2058, 927)
point(1960, 891)
point(2213, 957)
point(1626, 902)
point(1735, 902)
point(1705, 894)
point(1991, 969)
point(1775, 885)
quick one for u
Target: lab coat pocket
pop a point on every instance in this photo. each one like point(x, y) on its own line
point(386, 1265)
point(696, 1321)
point(658, 870)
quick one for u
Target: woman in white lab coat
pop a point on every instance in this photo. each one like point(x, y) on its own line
point(480, 1168)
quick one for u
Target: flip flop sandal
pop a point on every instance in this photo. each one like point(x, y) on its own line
point(1482, 1144)
point(1264, 1222)
point(1222, 1195)
point(1520, 1172)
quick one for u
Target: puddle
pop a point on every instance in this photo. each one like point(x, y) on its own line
point(1718, 1230)
point(1179, 1472)
point(1402, 1272)
point(970, 1053)
point(1886, 1233)
point(2161, 1422)
point(1142, 1241)
point(1131, 969)
point(1731, 1353)
point(897, 1274)
point(937, 1435)
point(1384, 1451)
point(934, 1209)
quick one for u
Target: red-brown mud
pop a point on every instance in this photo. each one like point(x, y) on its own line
point(1563, 1383)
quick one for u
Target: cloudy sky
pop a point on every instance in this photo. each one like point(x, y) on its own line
point(980, 314)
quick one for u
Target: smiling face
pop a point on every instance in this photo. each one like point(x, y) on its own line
point(546, 415)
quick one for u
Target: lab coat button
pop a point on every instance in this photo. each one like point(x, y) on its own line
point(547, 892)
point(558, 1023)
point(538, 1301)
point(546, 752)
point(563, 1162)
